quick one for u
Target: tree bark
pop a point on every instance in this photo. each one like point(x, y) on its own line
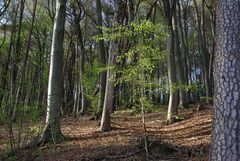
point(102, 59)
point(170, 8)
point(226, 116)
point(55, 86)
point(108, 100)
point(109, 92)
point(205, 55)
point(179, 62)
point(173, 97)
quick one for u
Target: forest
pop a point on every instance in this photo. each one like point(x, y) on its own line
point(127, 80)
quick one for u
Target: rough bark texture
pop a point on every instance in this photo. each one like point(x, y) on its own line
point(226, 127)
point(55, 87)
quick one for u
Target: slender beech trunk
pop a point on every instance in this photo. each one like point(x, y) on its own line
point(102, 59)
point(179, 63)
point(24, 65)
point(173, 97)
point(187, 66)
point(170, 8)
point(55, 86)
point(226, 115)
point(205, 56)
point(9, 62)
point(183, 79)
point(109, 92)
point(17, 52)
point(81, 53)
point(108, 100)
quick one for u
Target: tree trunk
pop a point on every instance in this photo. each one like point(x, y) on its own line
point(102, 59)
point(81, 53)
point(205, 56)
point(173, 97)
point(226, 117)
point(109, 92)
point(55, 86)
point(170, 8)
point(24, 65)
point(179, 62)
point(108, 100)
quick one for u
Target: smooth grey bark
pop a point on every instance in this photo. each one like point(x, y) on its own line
point(81, 85)
point(170, 8)
point(183, 58)
point(184, 37)
point(173, 96)
point(102, 59)
point(179, 62)
point(81, 53)
point(109, 92)
point(226, 116)
point(205, 55)
point(55, 86)
point(108, 99)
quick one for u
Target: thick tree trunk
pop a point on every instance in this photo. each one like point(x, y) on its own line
point(55, 86)
point(226, 117)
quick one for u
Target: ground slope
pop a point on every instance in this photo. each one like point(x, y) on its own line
point(187, 140)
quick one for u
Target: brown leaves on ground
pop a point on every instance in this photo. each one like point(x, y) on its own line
point(190, 138)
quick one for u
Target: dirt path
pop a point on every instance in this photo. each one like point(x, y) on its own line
point(124, 142)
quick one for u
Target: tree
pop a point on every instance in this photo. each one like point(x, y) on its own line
point(170, 9)
point(109, 91)
point(226, 129)
point(102, 59)
point(55, 86)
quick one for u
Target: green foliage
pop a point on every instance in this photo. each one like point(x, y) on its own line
point(8, 155)
point(4, 116)
point(206, 99)
point(141, 59)
point(145, 55)
point(28, 113)
point(145, 30)
point(178, 118)
point(194, 87)
point(90, 77)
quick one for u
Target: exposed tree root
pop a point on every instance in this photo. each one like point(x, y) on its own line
point(48, 136)
point(159, 147)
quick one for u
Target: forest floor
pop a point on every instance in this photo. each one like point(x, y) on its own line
point(186, 140)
